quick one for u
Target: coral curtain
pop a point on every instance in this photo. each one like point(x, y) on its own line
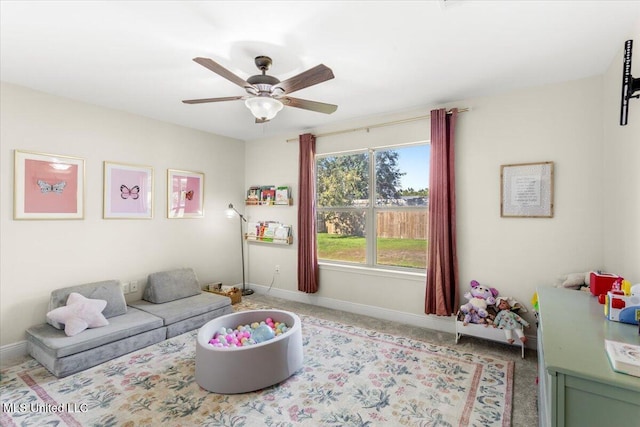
point(307, 250)
point(442, 262)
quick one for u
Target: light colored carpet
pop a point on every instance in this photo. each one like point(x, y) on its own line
point(525, 410)
point(352, 376)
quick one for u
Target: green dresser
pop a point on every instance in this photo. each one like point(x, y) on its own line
point(577, 386)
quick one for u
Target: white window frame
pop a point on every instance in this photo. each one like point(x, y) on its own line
point(370, 212)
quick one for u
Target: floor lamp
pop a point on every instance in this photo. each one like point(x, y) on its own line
point(230, 213)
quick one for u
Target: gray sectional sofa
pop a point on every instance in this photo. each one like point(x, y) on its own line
point(172, 303)
point(182, 308)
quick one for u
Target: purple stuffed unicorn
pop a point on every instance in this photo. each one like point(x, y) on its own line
point(480, 297)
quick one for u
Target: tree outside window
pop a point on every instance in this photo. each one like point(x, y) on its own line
point(396, 213)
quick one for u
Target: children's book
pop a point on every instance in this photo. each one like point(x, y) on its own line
point(282, 232)
point(624, 357)
point(282, 196)
point(253, 194)
point(269, 231)
point(253, 228)
point(268, 195)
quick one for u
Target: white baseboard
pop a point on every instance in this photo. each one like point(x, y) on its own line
point(11, 352)
point(439, 323)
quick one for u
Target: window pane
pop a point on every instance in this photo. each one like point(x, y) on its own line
point(402, 238)
point(397, 219)
point(402, 176)
point(343, 180)
point(341, 236)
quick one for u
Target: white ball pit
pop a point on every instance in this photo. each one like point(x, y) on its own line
point(232, 370)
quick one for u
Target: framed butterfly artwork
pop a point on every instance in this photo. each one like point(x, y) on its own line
point(128, 191)
point(185, 194)
point(47, 186)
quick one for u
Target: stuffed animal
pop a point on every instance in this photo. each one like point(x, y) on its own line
point(573, 280)
point(480, 297)
point(510, 321)
point(473, 317)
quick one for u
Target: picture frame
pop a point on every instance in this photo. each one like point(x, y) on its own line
point(128, 191)
point(48, 186)
point(185, 194)
point(526, 190)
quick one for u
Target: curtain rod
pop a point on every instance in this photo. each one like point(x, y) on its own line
point(379, 125)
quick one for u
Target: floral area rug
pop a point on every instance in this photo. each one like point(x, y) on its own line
point(350, 377)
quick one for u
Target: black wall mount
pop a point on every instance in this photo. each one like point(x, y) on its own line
point(629, 85)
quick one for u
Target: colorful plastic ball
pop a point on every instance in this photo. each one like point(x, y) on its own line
point(262, 333)
point(244, 335)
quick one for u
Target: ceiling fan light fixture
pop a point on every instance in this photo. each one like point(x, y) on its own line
point(266, 94)
point(263, 107)
point(277, 91)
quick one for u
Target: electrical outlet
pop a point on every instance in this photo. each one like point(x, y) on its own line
point(134, 286)
point(125, 287)
point(277, 268)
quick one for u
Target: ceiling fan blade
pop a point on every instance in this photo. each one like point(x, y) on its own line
point(305, 104)
point(318, 74)
point(221, 71)
point(261, 121)
point(203, 100)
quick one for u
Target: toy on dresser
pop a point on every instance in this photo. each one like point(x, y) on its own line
point(600, 283)
point(622, 302)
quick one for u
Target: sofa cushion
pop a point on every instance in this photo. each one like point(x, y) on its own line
point(166, 286)
point(184, 308)
point(55, 343)
point(79, 314)
point(196, 322)
point(64, 366)
point(108, 290)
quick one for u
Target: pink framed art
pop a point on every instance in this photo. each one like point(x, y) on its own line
point(47, 186)
point(128, 191)
point(185, 194)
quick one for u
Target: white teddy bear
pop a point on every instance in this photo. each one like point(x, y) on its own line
point(573, 280)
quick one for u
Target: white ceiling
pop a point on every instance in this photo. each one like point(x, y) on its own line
point(387, 56)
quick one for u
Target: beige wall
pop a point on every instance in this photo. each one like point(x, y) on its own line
point(39, 256)
point(562, 123)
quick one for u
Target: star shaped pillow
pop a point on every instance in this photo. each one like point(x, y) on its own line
point(79, 314)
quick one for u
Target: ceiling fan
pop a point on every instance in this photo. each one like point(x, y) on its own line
point(266, 95)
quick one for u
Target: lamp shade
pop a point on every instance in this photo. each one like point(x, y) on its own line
point(230, 212)
point(263, 107)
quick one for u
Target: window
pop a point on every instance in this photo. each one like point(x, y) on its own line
point(396, 212)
